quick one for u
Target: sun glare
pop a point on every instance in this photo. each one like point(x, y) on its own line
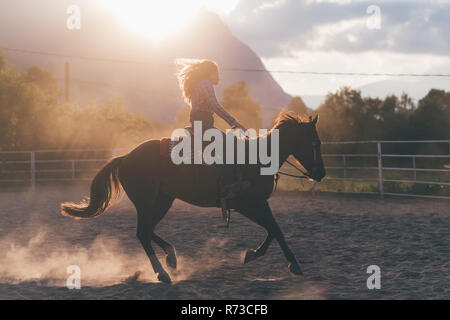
point(157, 19)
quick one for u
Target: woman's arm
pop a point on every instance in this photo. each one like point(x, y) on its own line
point(207, 90)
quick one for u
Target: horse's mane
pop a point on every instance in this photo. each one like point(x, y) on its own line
point(289, 117)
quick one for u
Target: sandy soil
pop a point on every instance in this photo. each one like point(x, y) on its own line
point(335, 238)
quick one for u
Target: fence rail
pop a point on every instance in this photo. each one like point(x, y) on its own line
point(380, 168)
point(34, 161)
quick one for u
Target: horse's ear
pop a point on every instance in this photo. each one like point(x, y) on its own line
point(316, 118)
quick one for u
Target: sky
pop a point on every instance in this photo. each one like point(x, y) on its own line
point(362, 36)
point(345, 36)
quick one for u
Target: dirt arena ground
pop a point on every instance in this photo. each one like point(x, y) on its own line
point(335, 238)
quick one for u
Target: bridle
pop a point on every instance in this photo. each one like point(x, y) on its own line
point(304, 175)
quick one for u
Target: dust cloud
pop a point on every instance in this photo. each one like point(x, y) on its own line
point(105, 262)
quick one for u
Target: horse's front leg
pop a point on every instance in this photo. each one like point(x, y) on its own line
point(256, 214)
point(294, 266)
point(275, 230)
point(262, 215)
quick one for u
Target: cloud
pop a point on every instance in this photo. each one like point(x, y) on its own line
point(368, 62)
point(275, 28)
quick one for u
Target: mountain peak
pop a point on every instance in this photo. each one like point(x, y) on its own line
point(150, 89)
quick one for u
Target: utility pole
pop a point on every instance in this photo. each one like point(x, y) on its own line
point(67, 82)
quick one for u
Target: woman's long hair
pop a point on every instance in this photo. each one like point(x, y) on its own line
point(192, 72)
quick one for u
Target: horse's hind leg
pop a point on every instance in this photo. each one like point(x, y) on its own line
point(169, 249)
point(162, 205)
point(145, 227)
point(144, 194)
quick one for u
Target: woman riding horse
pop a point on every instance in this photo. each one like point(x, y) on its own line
point(152, 183)
point(196, 81)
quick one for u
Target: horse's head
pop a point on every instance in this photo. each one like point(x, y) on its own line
point(304, 142)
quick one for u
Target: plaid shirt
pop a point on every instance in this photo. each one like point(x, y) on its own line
point(204, 99)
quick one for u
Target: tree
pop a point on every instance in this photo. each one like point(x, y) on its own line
point(406, 102)
point(182, 119)
point(297, 105)
point(344, 115)
point(431, 119)
point(27, 110)
point(44, 80)
point(33, 117)
point(2, 62)
point(237, 101)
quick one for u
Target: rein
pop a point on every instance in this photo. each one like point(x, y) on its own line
point(303, 176)
point(277, 176)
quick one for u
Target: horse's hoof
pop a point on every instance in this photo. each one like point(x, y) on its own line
point(250, 255)
point(164, 277)
point(295, 269)
point(133, 278)
point(171, 260)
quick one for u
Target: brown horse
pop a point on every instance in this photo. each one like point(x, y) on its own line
point(152, 182)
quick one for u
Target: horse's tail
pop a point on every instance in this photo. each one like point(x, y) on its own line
point(104, 186)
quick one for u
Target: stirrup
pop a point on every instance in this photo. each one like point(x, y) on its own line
point(226, 214)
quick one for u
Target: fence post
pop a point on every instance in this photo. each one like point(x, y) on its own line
point(414, 166)
point(33, 170)
point(380, 170)
point(313, 186)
